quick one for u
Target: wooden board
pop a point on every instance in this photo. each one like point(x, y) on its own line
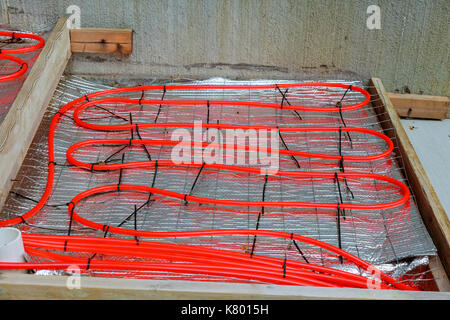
point(101, 40)
point(419, 106)
point(24, 286)
point(432, 212)
point(23, 118)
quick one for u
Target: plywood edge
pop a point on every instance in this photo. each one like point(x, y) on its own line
point(419, 106)
point(20, 124)
point(91, 40)
point(432, 212)
point(25, 286)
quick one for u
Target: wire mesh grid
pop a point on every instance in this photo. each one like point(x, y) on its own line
point(394, 239)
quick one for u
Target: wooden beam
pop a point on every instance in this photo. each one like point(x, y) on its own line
point(23, 118)
point(433, 214)
point(419, 106)
point(26, 286)
point(101, 40)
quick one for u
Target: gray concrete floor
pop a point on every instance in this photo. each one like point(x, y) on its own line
point(431, 140)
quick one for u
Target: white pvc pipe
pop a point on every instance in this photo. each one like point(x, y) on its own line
point(11, 245)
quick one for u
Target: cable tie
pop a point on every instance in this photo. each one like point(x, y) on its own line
point(339, 229)
point(21, 66)
point(65, 246)
point(207, 118)
point(50, 162)
point(341, 164)
point(87, 98)
point(88, 264)
point(71, 219)
point(284, 266)
point(92, 167)
point(300, 251)
point(253, 246)
point(105, 228)
point(23, 220)
point(140, 99)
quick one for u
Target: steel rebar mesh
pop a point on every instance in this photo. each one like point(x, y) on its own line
point(393, 239)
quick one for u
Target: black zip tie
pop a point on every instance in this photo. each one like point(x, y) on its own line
point(195, 181)
point(145, 147)
point(36, 201)
point(113, 154)
point(283, 96)
point(65, 115)
point(254, 238)
point(298, 115)
point(92, 167)
point(153, 182)
point(86, 97)
point(207, 115)
point(135, 223)
point(341, 168)
point(343, 96)
point(21, 66)
point(65, 246)
point(339, 105)
point(339, 229)
point(253, 246)
point(89, 260)
point(140, 99)
point(300, 251)
point(50, 162)
point(341, 162)
point(159, 109)
point(286, 147)
point(128, 218)
point(71, 217)
point(110, 112)
point(336, 179)
point(131, 132)
point(120, 174)
point(105, 228)
point(88, 263)
point(13, 36)
point(264, 194)
point(23, 220)
point(284, 266)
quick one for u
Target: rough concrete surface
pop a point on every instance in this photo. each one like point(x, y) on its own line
point(306, 39)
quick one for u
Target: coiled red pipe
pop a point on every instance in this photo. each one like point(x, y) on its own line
point(5, 54)
point(197, 263)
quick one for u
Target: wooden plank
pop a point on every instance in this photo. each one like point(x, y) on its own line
point(20, 124)
point(433, 214)
point(25, 286)
point(439, 276)
point(101, 40)
point(92, 47)
point(419, 106)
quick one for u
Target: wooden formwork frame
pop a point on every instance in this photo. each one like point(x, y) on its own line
point(17, 132)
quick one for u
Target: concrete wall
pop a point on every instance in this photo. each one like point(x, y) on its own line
point(262, 39)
